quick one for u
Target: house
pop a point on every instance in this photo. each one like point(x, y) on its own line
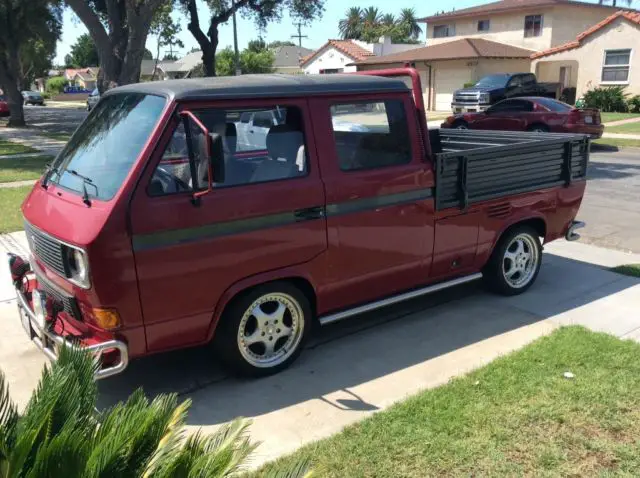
point(338, 56)
point(501, 32)
point(445, 67)
point(608, 53)
point(83, 78)
point(287, 58)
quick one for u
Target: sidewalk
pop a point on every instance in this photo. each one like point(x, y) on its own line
point(31, 138)
point(354, 368)
point(621, 122)
point(620, 136)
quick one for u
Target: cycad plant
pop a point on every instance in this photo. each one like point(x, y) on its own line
point(60, 433)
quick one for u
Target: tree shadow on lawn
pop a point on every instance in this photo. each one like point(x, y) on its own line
point(370, 346)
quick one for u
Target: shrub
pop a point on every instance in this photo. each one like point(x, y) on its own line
point(56, 85)
point(634, 104)
point(60, 433)
point(610, 99)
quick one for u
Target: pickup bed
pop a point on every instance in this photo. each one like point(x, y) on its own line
point(493, 88)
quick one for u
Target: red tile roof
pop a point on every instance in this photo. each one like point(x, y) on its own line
point(633, 17)
point(506, 6)
point(464, 48)
point(348, 47)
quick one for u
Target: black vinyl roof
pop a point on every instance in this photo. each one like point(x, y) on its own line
point(261, 86)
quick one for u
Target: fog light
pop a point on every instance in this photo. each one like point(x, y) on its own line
point(107, 319)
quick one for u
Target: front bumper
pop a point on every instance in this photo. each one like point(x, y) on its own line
point(468, 107)
point(571, 234)
point(43, 335)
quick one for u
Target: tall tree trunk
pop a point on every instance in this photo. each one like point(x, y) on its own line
point(209, 59)
point(11, 88)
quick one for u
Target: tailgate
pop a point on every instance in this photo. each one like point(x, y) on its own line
point(476, 166)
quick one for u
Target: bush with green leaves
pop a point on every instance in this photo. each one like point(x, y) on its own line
point(55, 85)
point(634, 104)
point(60, 433)
point(609, 99)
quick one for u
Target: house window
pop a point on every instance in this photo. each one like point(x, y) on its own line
point(616, 66)
point(443, 31)
point(532, 26)
point(484, 25)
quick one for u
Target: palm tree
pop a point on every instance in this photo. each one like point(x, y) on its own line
point(408, 19)
point(351, 26)
point(60, 434)
point(388, 20)
point(371, 17)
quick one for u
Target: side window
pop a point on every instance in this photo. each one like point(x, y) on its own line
point(371, 135)
point(277, 152)
point(245, 117)
point(529, 80)
point(502, 107)
point(516, 81)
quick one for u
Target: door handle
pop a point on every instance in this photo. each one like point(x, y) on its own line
point(309, 213)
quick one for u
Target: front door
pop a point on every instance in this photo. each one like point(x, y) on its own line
point(380, 205)
point(187, 255)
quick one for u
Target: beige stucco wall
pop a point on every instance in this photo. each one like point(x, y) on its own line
point(560, 25)
point(590, 56)
point(549, 71)
point(505, 28)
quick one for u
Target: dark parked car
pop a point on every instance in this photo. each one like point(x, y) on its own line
point(531, 114)
point(4, 107)
point(93, 99)
point(32, 98)
point(493, 88)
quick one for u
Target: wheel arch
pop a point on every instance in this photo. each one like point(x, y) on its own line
point(295, 277)
point(538, 223)
point(537, 124)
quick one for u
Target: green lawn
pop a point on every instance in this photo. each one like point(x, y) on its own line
point(629, 128)
point(58, 136)
point(632, 270)
point(608, 117)
point(9, 147)
point(517, 416)
point(10, 202)
point(22, 169)
point(620, 143)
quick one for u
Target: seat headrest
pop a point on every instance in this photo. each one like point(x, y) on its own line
point(231, 138)
point(283, 141)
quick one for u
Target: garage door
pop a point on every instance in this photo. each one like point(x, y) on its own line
point(447, 81)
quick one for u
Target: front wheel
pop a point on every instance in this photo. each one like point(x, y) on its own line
point(263, 331)
point(515, 262)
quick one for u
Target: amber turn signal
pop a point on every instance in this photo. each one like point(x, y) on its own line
point(107, 319)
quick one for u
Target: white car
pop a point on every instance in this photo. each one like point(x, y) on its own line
point(93, 99)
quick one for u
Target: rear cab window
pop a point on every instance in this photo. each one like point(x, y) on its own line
point(371, 134)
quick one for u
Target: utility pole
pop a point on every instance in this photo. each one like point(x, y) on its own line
point(236, 57)
point(299, 36)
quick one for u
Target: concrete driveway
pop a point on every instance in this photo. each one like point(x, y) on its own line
point(363, 365)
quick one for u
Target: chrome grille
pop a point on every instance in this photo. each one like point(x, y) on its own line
point(466, 98)
point(46, 248)
point(68, 303)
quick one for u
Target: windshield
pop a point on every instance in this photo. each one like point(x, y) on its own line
point(103, 149)
point(495, 81)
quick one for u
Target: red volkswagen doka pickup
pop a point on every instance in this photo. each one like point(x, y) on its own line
point(156, 229)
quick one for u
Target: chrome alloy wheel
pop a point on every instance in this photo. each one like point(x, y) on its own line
point(270, 330)
point(520, 261)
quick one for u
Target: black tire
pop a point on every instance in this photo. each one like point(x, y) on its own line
point(460, 124)
point(538, 128)
point(494, 272)
point(227, 337)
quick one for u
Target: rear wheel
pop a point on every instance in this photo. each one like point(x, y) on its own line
point(263, 331)
point(515, 262)
point(460, 124)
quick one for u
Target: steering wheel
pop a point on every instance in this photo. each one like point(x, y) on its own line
point(170, 183)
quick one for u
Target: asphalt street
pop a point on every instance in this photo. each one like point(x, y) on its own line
point(54, 120)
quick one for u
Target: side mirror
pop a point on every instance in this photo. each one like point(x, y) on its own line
point(210, 150)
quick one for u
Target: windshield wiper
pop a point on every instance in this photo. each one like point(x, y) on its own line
point(85, 181)
point(47, 174)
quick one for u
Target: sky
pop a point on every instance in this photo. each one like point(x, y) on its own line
point(317, 32)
